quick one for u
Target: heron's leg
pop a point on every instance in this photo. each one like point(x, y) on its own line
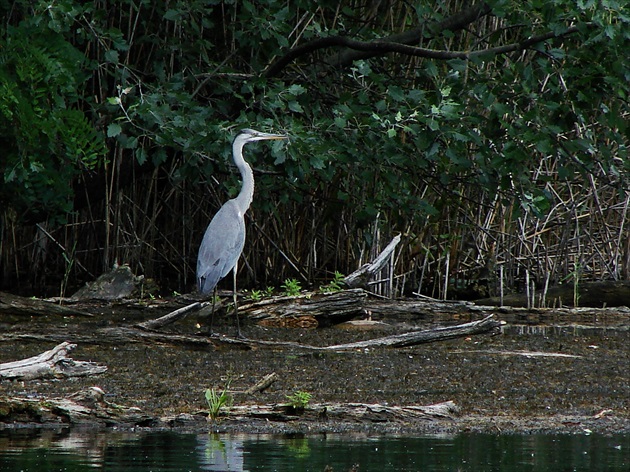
point(214, 300)
point(238, 324)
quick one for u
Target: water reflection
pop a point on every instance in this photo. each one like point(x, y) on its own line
point(221, 452)
point(74, 450)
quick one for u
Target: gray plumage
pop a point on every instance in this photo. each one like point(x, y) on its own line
point(224, 239)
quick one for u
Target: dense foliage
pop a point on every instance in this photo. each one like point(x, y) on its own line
point(456, 126)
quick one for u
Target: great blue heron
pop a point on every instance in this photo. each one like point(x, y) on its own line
point(225, 237)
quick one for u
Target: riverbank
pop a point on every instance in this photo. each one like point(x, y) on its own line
point(532, 376)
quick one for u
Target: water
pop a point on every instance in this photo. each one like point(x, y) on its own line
point(40, 451)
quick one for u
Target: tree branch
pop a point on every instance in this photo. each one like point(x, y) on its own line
point(410, 37)
point(381, 47)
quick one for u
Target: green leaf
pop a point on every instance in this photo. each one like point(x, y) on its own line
point(295, 107)
point(296, 89)
point(113, 130)
point(111, 56)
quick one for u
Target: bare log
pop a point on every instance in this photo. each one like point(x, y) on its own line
point(486, 325)
point(16, 305)
point(87, 406)
point(412, 338)
point(362, 276)
point(124, 335)
point(355, 412)
point(322, 308)
point(50, 364)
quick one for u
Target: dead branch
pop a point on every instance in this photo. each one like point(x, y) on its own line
point(262, 384)
point(362, 276)
point(171, 317)
point(50, 364)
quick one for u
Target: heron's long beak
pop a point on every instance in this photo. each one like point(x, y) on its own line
point(266, 136)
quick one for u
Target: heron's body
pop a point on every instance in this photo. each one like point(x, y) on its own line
point(221, 247)
point(224, 239)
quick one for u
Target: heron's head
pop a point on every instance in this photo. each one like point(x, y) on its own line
point(250, 135)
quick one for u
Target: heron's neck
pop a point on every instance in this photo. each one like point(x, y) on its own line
point(246, 195)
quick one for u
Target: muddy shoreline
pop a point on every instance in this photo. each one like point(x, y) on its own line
point(533, 377)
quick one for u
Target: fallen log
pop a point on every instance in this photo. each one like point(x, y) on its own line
point(324, 309)
point(413, 338)
point(87, 406)
point(334, 308)
point(50, 364)
point(131, 334)
point(319, 309)
point(344, 412)
point(16, 305)
point(399, 340)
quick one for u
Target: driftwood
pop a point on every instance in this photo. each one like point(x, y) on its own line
point(486, 325)
point(262, 384)
point(362, 276)
point(311, 310)
point(130, 334)
point(16, 305)
point(353, 412)
point(87, 406)
point(529, 354)
point(173, 316)
point(333, 308)
point(50, 364)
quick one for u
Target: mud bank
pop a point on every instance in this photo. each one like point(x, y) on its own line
point(534, 376)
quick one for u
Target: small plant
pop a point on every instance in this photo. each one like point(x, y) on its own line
point(69, 260)
point(269, 291)
point(299, 399)
point(255, 295)
point(291, 287)
point(217, 401)
point(334, 285)
point(575, 275)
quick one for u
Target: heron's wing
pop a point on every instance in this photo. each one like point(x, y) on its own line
point(221, 246)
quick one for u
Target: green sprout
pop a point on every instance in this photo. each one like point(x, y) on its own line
point(217, 401)
point(291, 287)
point(299, 399)
point(334, 285)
